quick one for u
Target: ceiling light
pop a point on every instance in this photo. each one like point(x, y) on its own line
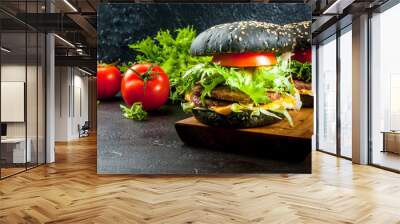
point(338, 6)
point(80, 51)
point(70, 5)
point(5, 50)
point(84, 71)
point(65, 41)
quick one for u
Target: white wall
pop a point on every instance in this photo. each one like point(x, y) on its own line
point(71, 94)
point(62, 81)
point(80, 110)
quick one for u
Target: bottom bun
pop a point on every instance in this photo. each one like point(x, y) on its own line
point(307, 100)
point(233, 120)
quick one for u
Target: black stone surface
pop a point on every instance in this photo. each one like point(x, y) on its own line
point(153, 147)
point(121, 24)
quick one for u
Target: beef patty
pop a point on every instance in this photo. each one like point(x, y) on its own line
point(302, 85)
point(223, 95)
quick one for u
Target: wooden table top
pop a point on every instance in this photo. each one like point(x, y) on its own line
point(303, 125)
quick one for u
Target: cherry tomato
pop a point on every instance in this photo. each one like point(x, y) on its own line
point(303, 56)
point(108, 81)
point(147, 84)
point(245, 59)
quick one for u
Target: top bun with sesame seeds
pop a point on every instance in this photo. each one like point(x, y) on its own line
point(247, 83)
point(251, 36)
point(302, 33)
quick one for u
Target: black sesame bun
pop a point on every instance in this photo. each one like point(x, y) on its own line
point(251, 36)
point(302, 33)
point(233, 120)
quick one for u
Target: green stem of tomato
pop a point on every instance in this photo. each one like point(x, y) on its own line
point(146, 76)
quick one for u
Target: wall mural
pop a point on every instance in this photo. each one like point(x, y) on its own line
point(204, 88)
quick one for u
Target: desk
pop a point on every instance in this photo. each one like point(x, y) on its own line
point(391, 141)
point(18, 150)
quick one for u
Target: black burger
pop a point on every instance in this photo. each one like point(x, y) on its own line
point(246, 84)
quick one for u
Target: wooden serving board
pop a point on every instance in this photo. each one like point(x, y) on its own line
point(278, 140)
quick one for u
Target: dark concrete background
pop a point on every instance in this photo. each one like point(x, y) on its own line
point(153, 147)
point(121, 24)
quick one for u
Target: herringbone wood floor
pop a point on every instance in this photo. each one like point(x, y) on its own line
point(70, 191)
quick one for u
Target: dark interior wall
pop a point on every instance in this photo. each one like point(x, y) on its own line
point(122, 24)
point(92, 100)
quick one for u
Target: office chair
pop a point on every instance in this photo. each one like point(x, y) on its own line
point(84, 130)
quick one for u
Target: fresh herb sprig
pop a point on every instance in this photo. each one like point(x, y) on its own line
point(300, 71)
point(135, 112)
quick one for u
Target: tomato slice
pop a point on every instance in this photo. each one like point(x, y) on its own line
point(303, 56)
point(245, 59)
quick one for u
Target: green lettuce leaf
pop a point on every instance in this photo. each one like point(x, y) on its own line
point(255, 84)
point(135, 112)
point(244, 82)
point(209, 84)
point(187, 106)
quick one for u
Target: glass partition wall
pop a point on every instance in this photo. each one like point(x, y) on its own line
point(326, 95)
point(22, 77)
point(334, 93)
point(345, 92)
point(13, 88)
point(385, 90)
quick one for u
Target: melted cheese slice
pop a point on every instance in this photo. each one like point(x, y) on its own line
point(224, 110)
point(306, 92)
point(188, 96)
point(288, 102)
